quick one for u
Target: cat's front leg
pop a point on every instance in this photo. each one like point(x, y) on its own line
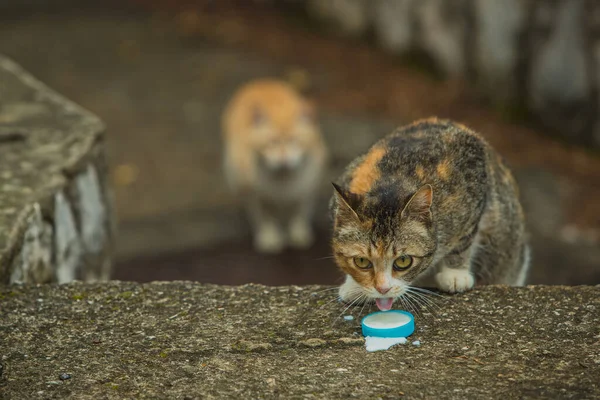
point(453, 280)
point(454, 272)
point(300, 230)
point(269, 238)
point(268, 235)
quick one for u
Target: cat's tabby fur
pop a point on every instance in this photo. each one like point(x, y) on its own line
point(436, 191)
point(274, 159)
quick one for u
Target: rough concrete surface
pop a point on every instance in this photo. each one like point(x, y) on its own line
point(189, 340)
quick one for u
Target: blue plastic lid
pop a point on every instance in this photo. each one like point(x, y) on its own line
point(392, 323)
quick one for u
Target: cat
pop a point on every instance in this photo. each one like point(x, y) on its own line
point(431, 202)
point(274, 160)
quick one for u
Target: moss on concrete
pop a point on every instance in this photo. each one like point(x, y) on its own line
point(188, 340)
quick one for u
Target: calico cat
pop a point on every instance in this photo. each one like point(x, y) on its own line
point(274, 158)
point(430, 200)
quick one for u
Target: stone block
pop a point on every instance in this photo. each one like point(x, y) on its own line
point(55, 210)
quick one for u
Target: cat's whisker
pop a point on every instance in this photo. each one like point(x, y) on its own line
point(353, 292)
point(423, 290)
point(335, 299)
point(425, 297)
point(428, 303)
point(427, 313)
point(421, 305)
point(349, 305)
point(361, 298)
point(425, 304)
point(371, 302)
point(404, 303)
point(427, 307)
point(324, 258)
point(338, 298)
point(363, 306)
point(353, 295)
point(414, 305)
point(325, 290)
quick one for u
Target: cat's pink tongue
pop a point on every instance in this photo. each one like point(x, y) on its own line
point(384, 304)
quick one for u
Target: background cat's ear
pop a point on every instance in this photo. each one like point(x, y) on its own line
point(419, 205)
point(345, 203)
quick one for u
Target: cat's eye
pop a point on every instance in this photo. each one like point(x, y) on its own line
point(362, 262)
point(403, 262)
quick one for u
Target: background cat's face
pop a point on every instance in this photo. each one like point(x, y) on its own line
point(283, 142)
point(382, 256)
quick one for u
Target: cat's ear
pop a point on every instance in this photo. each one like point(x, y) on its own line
point(419, 205)
point(258, 116)
point(346, 204)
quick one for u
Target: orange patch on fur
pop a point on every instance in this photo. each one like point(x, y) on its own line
point(420, 172)
point(424, 120)
point(379, 279)
point(362, 277)
point(421, 133)
point(380, 249)
point(366, 174)
point(444, 169)
point(453, 199)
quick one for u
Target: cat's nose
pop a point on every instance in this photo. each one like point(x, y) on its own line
point(383, 289)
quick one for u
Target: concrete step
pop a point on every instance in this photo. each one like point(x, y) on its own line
point(192, 340)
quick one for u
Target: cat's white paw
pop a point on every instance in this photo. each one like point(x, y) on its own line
point(301, 235)
point(269, 240)
point(454, 280)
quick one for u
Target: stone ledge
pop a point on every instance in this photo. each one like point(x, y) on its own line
point(55, 214)
point(189, 340)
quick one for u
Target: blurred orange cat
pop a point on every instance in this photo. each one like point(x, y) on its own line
point(274, 157)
